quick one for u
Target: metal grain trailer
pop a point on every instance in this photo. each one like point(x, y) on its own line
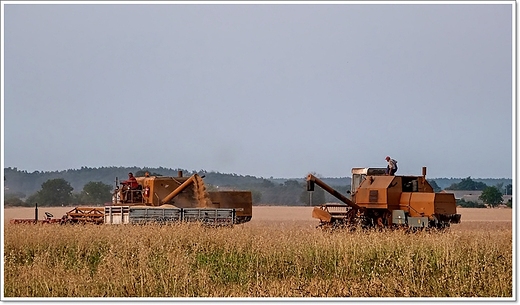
point(163, 215)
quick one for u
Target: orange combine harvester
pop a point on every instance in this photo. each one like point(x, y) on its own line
point(380, 200)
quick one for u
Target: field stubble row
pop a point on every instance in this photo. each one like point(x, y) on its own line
point(279, 253)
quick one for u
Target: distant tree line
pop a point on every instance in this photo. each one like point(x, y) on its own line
point(58, 192)
point(95, 186)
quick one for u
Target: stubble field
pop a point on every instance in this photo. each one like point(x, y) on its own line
point(279, 253)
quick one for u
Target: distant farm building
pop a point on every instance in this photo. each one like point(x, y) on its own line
point(472, 196)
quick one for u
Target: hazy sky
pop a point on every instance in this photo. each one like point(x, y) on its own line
point(260, 89)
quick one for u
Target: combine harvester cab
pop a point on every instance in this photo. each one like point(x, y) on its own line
point(378, 200)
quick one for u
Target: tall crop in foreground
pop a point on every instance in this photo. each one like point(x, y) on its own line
point(188, 260)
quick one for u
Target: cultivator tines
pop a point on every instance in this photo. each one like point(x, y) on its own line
point(32, 221)
point(85, 215)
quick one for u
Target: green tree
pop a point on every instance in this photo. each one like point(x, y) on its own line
point(469, 204)
point(53, 192)
point(96, 192)
point(467, 184)
point(79, 198)
point(491, 195)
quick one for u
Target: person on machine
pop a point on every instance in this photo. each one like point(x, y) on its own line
point(129, 185)
point(391, 168)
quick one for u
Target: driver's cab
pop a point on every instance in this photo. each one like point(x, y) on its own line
point(359, 174)
point(123, 193)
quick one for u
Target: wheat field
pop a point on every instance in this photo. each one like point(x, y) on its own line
point(278, 254)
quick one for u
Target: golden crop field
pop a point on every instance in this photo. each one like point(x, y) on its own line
point(279, 253)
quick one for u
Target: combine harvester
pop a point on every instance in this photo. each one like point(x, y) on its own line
point(163, 199)
point(382, 201)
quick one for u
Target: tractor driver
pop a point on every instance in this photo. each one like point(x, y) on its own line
point(129, 185)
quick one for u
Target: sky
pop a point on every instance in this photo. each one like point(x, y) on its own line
point(270, 89)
